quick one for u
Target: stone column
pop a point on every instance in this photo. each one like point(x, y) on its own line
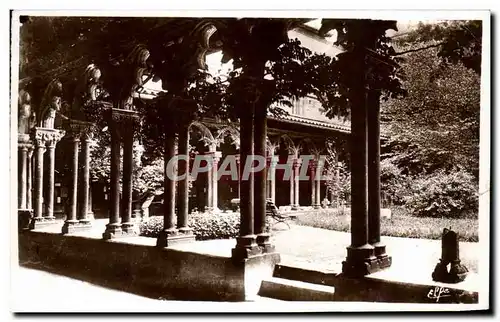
point(296, 166)
point(260, 178)
point(360, 258)
point(23, 182)
point(90, 213)
point(317, 182)
point(84, 181)
point(246, 245)
point(210, 183)
point(373, 105)
point(215, 180)
point(128, 225)
point(239, 181)
point(272, 177)
point(29, 187)
point(49, 203)
point(38, 195)
point(318, 193)
point(337, 178)
point(71, 220)
point(292, 184)
point(183, 170)
point(169, 230)
point(113, 228)
point(313, 184)
point(44, 138)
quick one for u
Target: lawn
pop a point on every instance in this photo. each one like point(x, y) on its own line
point(401, 224)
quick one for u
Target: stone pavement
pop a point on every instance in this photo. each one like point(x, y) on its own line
point(299, 246)
point(326, 249)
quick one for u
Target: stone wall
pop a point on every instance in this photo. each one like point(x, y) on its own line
point(136, 265)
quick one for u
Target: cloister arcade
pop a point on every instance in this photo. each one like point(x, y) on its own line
point(275, 138)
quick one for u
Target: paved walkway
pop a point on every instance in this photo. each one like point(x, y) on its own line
point(300, 246)
point(327, 249)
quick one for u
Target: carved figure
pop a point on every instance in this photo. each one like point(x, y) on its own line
point(137, 62)
point(91, 79)
point(51, 104)
point(25, 113)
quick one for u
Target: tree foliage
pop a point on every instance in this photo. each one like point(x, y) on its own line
point(431, 163)
point(458, 41)
point(437, 125)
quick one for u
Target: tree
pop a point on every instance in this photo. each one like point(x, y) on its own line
point(437, 125)
point(146, 176)
point(457, 41)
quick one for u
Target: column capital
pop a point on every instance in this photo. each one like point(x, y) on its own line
point(297, 162)
point(47, 137)
point(23, 138)
point(313, 164)
point(128, 119)
point(272, 160)
point(80, 129)
point(216, 155)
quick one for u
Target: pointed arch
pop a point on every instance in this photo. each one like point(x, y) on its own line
point(206, 135)
point(311, 147)
point(230, 130)
point(271, 147)
point(290, 146)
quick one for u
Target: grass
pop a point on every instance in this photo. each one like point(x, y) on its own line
point(401, 224)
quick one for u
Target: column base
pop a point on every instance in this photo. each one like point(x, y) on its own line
point(185, 231)
point(384, 260)
point(129, 229)
point(171, 237)
point(40, 222)
point(112, 231)
point(264, 242)
point(213, 210)
point(90, 216)
point(316, 206)
point(360, 261)
point(136, 215)
point(457, 273)
point(295, 207)
point(73, 226)
point(246, 247)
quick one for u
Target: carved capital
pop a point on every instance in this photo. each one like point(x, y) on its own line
point(47, 137)
point(80, 129)
point(124, 121)
point(23, 138)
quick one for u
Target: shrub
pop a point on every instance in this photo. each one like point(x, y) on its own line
point(394, 184)
point(205, 226)
point(443, 194)
point(215, 226)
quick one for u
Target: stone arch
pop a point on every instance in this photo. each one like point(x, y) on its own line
point(290, 146)
point(206, 134)
point(271, 147)
point(307, 142)
point(233, 133)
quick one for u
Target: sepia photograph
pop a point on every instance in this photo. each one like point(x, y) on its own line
point(274, 161)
